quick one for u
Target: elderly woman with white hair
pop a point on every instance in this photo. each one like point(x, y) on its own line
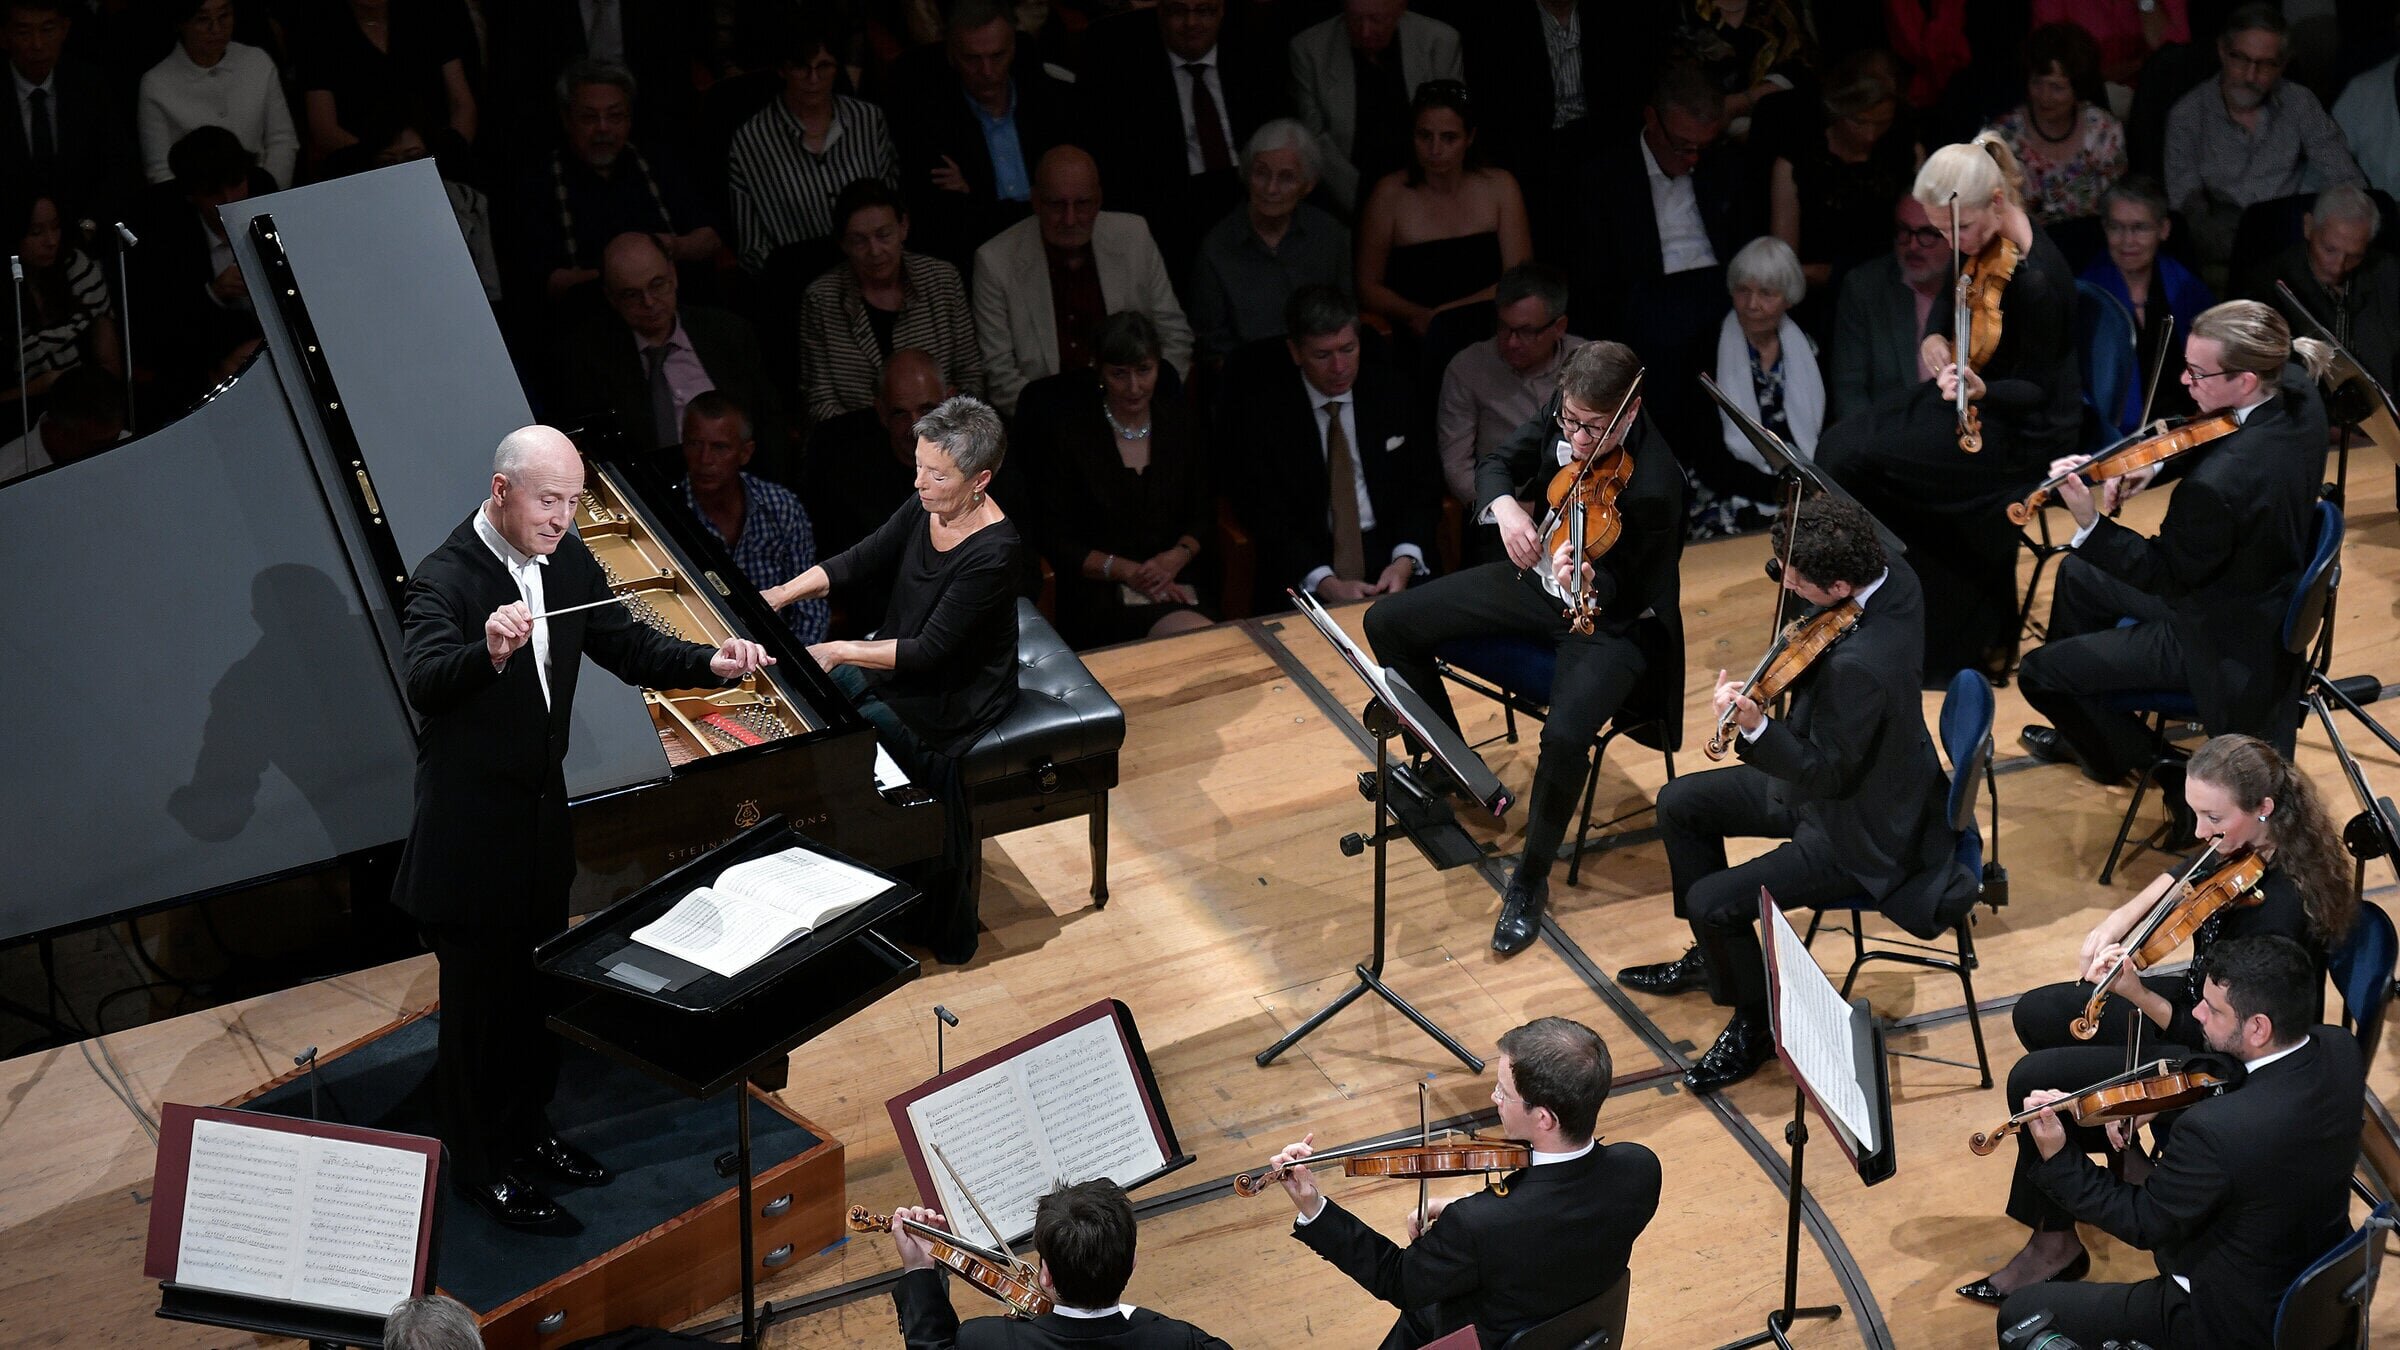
point(1272, 245)
point(1767, 368)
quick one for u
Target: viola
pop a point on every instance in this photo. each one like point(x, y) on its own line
point(1801, 643)
point(2160, 441)
point(2188, 904)
point(1466, 1156)
point(2162, 1085)
point(1976, 320)
point(1002, 1276)
point(1583, 517)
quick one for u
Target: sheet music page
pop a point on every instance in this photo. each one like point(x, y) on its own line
point(1812, 1023)
point(359, 1247)
point(807, 886)
point(985, 1126)
point(1090, 1107)
point(720, 932)
point(326, 1222)
point(241, 1209)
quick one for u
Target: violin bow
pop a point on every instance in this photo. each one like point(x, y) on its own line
point(2158, 373)
point(1960, 333)
point(1424, 1140)
point(999, 1242)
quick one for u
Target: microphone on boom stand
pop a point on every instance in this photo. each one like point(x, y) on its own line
point(127, 241)
point(16, 289)
point(943, 1017)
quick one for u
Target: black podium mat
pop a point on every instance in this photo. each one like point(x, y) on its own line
point(662, 1145)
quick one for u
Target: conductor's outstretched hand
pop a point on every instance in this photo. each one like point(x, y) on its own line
point(738, 657)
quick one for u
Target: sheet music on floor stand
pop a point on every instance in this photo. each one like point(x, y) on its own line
point(1833, 1048)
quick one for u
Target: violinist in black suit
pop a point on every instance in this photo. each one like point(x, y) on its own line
point(491, 852)
point(2253, 1186)
point(1556, 1235)
point(1848, 777)
point(2209, 592)
point(1631, 661)
point(1084, 1234)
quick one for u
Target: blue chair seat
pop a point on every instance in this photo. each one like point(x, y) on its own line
point(2327, 1304)
point(2361, 966)
point(1520, 665)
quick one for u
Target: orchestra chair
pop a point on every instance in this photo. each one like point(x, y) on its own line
point(2307, 633)
point(1968, 711)
point(2361, 967)
point(1516, 673)
point(1597, 1325)
point(2326, 1308)
point(1054, 756)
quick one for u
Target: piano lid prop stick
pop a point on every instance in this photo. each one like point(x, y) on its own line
point(592, 604)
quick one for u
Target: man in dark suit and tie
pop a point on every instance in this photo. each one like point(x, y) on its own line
point(1328, 467)
point(64, 130)
point(1556, 1235)
point(1848, 777)
point(2250, 1188)
point(491, 852)
point(1084, 1234)
point(1881, 310)
point(970, 119)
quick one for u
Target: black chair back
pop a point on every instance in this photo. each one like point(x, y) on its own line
point(1597, 1325)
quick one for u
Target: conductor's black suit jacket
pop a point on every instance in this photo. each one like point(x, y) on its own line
point(1856, 767)
point(2251, 1187)
point(2228, 555)
point(491, 843)
point(928, 1322)
point(1560, 1237)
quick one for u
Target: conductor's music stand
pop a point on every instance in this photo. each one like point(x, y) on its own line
point(2364, 400)
point(700, 1032)
point(1396, 708)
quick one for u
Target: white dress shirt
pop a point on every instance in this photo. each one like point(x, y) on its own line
point(1682, 235)
point(2241, 417)
point(1121, 1310)
point(527, 573)
point(1193, 161)
point(1348, 402)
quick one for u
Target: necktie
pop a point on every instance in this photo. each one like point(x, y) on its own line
point(1349, 546)
point(663, 421)
point(1205, 121)
point(43, 140)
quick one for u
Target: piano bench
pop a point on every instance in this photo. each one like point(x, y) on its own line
point(1054, 756)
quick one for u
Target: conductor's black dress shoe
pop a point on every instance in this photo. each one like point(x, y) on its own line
point(1744, 1044)
point(1982, 1291)
point(1521, 907)
point(1679, 976)
point(565, 1162)
point(512, 1202)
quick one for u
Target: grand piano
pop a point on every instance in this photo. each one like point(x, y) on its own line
point(200, 654)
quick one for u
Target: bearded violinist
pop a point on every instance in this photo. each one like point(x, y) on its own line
point(2245, 796)
point(1631, 661)
point(1555, 1236)
point(2256, 1186)
point(2209, 591)
point(1848, 778)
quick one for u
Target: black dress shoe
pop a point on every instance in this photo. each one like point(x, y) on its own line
point(1744, 1044)
point(1521, 907)
point(1982, 1291)
point(1681, 975)
point(2046, 745)
point(565, 1162)
point(512, 1202)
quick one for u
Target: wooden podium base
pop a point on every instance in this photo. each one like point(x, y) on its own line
point(677, 1253)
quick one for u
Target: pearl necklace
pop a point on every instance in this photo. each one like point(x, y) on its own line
point(1124, 432)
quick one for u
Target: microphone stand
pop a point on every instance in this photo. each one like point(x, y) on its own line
point(2375, 831)
point(126, 242)
point(16, 290)
point(942, 1017)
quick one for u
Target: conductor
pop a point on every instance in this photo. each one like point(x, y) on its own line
point(491, 852)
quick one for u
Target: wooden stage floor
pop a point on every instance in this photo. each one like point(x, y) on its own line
point(1234, 914)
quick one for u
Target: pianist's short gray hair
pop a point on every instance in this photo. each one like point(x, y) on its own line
point(434, 1322)
point(1285, 133)
point(968, 431)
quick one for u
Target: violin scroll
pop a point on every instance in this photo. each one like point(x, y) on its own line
point(1249, 1184)
point(1983, 1143)
point(861, 1220)
point(2086, 1025)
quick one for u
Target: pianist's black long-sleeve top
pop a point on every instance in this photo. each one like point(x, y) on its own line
point(953, 618)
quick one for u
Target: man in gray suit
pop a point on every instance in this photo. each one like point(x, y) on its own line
point(1883, 310)
point(1352, 79)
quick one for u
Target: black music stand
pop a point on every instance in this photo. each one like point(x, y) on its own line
point(1820, 1041)
point(701, 1033)
point(1394, 710)
point(2375, 831)
point(2356, 410)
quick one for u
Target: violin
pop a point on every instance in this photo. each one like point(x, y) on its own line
point(1975, 319)
point(1461, 1157)
point(2161, 440)
point(1004, 1277)
point(2161, 1085)
point(1583, 517)
point(2186, 906)
point(1801, 642)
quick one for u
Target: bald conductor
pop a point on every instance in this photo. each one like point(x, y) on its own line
point(490, 854)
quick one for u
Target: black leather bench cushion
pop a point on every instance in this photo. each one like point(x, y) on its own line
point(1062, 713)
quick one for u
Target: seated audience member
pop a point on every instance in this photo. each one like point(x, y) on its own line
point(375, 63)
point(1884, 307)
point(2069, 144)
point(1492, 388)
point(598, 183)
point(67, 132)
point(65, 318)
point(1043, 285)
point(1323, 464)
point(406, 144)
point(1083, 1235)
point(1353, 77)
point(210, 80)
point(636, 366)
point(789, 162)
point(83, 415)
point(1768, 368)
point(197, 319)
point(880, 298)
point(1252, 260)
point(1437, 236)
point(2125, 35)
point(2248, 136)
point(2162, 294)
point(1124, 491)
point(2343, 283)
point(942, 667)
point(1549, 79)
point(860, 467)
point(761, 524)
point(971, 121)
point(431, 1322)
point(654, 41)
point(1831, 186)
point(2368, 113)
point(1753, 51)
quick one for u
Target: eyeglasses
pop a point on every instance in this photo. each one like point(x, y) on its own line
point(2195, 374)
point(2264, 65)
point(1923, 236)
point(658, 288)
point(1570, 428)
point(1525, 332)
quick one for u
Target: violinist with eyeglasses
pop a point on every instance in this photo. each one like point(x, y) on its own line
point(1546, 1238)
point(2278, 868)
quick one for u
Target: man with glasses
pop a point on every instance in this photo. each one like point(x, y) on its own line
point(1628, 667)
point(1557, 1234)
point(1492, 388)
point(2250, 136)
point(1881, 314)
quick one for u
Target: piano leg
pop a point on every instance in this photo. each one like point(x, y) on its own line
point(1100, 852)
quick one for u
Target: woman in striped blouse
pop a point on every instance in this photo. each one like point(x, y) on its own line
point(880, 299)
point(786, 164)
point(67, 319)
